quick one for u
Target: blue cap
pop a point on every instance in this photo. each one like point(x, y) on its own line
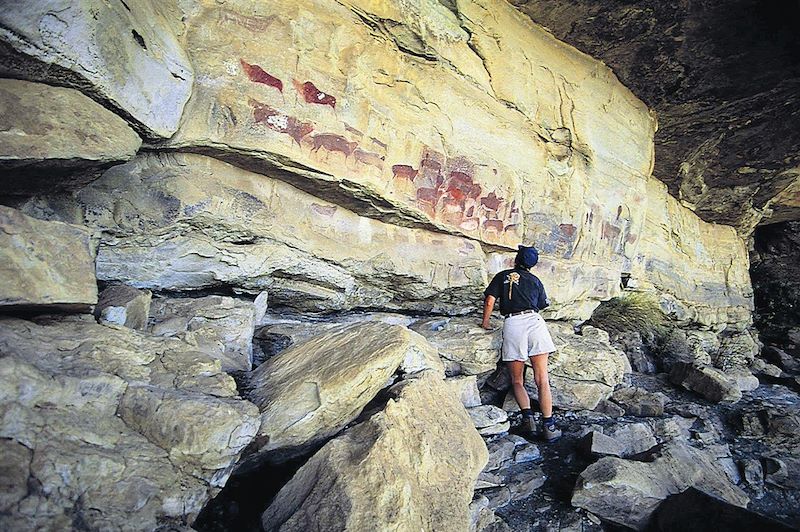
point(527, 257)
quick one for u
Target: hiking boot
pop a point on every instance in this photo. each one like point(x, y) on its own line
point(528, 427)
point(550, 433)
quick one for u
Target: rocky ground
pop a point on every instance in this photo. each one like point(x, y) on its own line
point(658, 438)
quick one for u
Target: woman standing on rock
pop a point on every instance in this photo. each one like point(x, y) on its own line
point(525, 335)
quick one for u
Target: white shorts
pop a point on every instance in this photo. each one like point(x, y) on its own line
point(525, 335)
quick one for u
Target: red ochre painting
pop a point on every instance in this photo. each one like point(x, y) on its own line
point(444, 188)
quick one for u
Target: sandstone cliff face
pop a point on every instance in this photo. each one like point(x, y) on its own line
point(364, 108)
point(339, 156)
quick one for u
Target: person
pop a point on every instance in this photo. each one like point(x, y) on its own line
point(525, 336)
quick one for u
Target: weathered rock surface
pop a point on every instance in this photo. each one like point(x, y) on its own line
point(726, 97)
point(111, 426)
point(489, 419)
point(125, 56)
point(124, 305)
point(705, 266)
point(628, 492)
point(583, 371)
point(466, 388)
point(188, 222)
point(51, 137)
point(639, 402)
point(222, 327)
point(466, 348)
point(33, 269)
point(709, 382)
point(309, 392)
point(409, 467)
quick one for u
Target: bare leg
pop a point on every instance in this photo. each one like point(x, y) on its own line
point(517, 370)
point(539, 363)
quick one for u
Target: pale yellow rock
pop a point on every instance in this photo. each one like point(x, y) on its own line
point(408, 468)
point(705, 266)
point(188, 221)
point(39, 123)
point(469, 349)
point(124, 54)
point(130, 428)
point(45, 263)
point(556, 151)
point(219, 326)
point(310, 391)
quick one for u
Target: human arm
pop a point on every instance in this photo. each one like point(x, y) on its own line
point(543, 302)
point(488, 306)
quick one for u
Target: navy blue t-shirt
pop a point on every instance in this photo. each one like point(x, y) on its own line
point(517, 290)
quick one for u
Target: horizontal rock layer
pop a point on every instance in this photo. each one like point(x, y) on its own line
point(126, 56)
point(45, 263)
point(53, 137)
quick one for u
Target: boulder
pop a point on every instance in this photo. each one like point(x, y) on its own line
point(310, 391)
point(583, 371)
point(107, 420)
point(761, 367)
point(462, 342)
point(427, 460)
point(124, 305)
point(52, 137)
point(126, 56)
point(489, 419)
point(627, 492)
point(187, 222)
point(35, 272)
point(711, 383)
point(639, 402)
point(622, 440)
point(219, 326)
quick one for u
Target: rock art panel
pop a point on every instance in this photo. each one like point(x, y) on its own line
point(189, 222)
point(124, 55)
point(363, 124)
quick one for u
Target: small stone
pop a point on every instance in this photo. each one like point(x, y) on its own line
point(752, 472)
point(500, 452)
point(639, 402)
point(593, 518)
point(124, 305)
point(610, 409)
point(529, 453)
point(487, 416)
point(522, 485)
point(498, 497)
point(711, 383)
point(500, 428)
point(597, 443)
point(488, 480)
